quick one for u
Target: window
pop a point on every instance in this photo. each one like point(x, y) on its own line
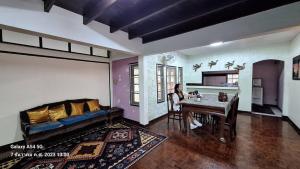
point(134, 85)
point(228, 78)
point(232, 78)
point(160, 83)
point(180, 75)
point(171, 78)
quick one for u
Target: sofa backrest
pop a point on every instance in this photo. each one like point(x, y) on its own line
point(24, 116)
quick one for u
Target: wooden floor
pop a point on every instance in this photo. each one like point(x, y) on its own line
point(262, 142)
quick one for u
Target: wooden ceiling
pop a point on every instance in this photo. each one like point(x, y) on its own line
point(152, 20)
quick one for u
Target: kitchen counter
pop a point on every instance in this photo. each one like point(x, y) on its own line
point(213, 89)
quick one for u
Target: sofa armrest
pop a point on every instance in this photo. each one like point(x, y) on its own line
point(104, 107)
point(25, 128)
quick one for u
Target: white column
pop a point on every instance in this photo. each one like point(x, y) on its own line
point(111, 84)
point(144, 120)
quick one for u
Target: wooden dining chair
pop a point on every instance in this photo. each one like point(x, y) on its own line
point(172, 114)
point(231, 119)
point(230, 123)
point(236, 106)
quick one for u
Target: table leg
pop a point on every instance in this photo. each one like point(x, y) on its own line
point(222, 123)
point(184, 116)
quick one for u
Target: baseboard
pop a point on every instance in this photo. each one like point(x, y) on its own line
point(270, 105)
point(157, 119)
point(245, 112)
point(286, 118)
point(134, 122)
point(150, 122)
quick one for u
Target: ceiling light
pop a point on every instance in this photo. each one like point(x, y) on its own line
point(216, 44)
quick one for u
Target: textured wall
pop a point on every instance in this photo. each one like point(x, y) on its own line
point(158, 109)
point(121, 88)
point(294, 85)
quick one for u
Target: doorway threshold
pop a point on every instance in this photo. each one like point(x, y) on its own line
point(276, 113)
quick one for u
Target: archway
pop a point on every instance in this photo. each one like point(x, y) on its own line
point(267, 88)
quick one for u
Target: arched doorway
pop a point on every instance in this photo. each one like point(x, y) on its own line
point(267, 88)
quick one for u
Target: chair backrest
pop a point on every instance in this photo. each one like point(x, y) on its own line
point(235, 108)
point(229, 117)
point(170, 102)
point(232, 114)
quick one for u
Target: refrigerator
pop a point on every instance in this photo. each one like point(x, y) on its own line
point(257, 92)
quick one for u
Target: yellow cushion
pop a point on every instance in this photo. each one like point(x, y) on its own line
point(58, 112)
point(77, 109)
point(93, 105)
point(38, 115)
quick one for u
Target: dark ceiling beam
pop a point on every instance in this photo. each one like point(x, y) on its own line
point(231, 13)
point(146, 32)
point(96, 10)
point(48, 4)
point(208, 20)
point(137, 18)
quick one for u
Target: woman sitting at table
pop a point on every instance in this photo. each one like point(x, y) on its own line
point(178, 96)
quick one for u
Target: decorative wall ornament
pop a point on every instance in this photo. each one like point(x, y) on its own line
point(212, 63)
point(239, 67)
point(229, 64)
point(164, 59)
point(197, 66)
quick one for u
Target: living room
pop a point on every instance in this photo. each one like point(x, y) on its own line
point(83, 87)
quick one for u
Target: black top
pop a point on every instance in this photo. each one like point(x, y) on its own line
point(180, 96)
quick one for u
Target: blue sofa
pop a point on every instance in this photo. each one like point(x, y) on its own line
point(41, 131)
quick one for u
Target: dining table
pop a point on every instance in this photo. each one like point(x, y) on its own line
point(208, 104)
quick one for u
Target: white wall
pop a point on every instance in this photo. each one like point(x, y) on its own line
point(27, 81)
point(55, 44)
point(20, 38)
point(154, 109)
point(294, 85)
point(29, 15)
point(77, 48)
point(143, 77)
point(248, 55)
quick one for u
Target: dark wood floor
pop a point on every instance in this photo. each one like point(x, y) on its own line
point(262, 142)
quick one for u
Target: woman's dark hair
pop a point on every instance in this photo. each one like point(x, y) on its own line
point(176, 88)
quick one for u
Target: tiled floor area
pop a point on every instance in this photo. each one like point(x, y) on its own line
point(262, 143)
point(276, 111)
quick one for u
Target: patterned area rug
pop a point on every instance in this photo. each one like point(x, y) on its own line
point(115, 147)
